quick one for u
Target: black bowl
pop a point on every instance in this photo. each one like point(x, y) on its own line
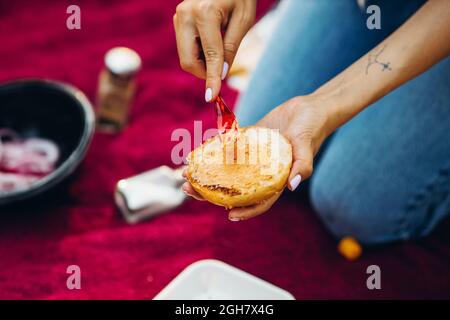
point(51, 110)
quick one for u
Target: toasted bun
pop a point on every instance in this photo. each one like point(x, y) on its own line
point(245, 170)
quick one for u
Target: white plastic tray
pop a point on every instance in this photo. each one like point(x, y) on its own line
point(215, 280)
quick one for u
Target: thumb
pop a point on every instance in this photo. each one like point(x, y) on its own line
point(302, 166)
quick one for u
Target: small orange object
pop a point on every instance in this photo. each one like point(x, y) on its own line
point(349, 248)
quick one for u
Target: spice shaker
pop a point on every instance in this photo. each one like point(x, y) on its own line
point(116, 88)
point(150, 193)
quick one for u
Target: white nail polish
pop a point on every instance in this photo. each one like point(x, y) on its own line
point(208, 95)
point(225, 70)
point(234, 219)
point(295, 182)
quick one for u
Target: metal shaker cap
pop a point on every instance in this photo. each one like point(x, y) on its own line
point(122, 61)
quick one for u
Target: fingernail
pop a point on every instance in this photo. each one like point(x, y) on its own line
point(225, 70)
point(295, 182)
point(208, 95)
point(234, 219)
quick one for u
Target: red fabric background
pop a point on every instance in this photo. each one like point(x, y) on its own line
point(288, 246)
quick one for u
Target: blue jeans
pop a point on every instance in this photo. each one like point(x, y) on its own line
point(385, 175)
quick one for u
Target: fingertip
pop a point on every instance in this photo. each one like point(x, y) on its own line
point(232, 216)
point(185, 187)
point(244, 213)
point(190, 191)
point(294, 182)
point(213, 87)
point(234, 219)
point(225, 68)
point(208, 94)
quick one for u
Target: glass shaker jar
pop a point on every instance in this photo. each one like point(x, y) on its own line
point(116, 88)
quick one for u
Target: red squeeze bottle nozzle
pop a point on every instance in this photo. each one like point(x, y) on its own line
point(226, 120)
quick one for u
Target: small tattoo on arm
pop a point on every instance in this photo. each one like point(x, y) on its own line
point(373, 59)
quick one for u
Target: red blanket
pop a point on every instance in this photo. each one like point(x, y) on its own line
point(287, 246)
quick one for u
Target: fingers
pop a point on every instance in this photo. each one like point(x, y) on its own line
point(239, 24)
point(302, 167)
point(208, 25)
point(245, 213)
point(187, 46)
point(205, 18)
point(187, 188)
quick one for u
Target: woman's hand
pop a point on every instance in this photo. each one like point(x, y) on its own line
point(204, 20)
point(304, 122)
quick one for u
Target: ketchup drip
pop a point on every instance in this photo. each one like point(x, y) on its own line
point(226, 120)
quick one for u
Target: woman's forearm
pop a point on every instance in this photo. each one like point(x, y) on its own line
point(418, 44)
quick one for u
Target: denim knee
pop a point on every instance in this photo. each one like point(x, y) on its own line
point(367, 214)
point(347, 215)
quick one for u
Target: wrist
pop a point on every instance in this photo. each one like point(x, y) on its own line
point(329, 106)
point(340, 102)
